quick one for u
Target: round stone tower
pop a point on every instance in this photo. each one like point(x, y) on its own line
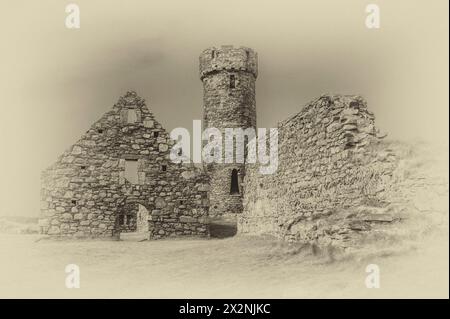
point(228, 75)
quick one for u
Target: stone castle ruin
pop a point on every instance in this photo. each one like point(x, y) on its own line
point(118, 178)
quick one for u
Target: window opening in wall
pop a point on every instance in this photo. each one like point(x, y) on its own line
point(354, 104)
point(164, 168)
point(131, 116)
point(74, 202)
point(131, 171)
point(155, 134)
point(234, 189)
point(232, 81)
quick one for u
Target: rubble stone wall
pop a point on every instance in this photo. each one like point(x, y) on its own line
point(86, 192)
point(330, 158)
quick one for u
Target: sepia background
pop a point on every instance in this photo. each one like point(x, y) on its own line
point(56, 82)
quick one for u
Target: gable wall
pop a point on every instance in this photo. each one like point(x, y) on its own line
point(85, 191)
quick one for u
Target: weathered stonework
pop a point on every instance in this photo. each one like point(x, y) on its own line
point(228, 75)
point(333, 173)
point(330, 159)
point(86, 193)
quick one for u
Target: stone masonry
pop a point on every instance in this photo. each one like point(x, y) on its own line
point(330, 159)
point(87, 192)
point(228, 75)
point(118, 177)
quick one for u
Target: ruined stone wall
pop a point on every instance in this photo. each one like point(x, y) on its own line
point(330, 159)
point(86, 193)
point(228, 75)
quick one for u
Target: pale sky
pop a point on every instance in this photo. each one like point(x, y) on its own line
point(56, 82)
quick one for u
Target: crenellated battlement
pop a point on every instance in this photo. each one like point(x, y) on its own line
point(228, 58)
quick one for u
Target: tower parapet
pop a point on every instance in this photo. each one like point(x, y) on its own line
point(228, 58)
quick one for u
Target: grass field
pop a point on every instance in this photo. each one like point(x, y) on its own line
point(412, 257)
point(234, 267)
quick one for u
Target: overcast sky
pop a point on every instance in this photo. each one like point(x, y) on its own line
point(56, 82)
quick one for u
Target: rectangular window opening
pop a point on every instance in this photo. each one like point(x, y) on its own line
point(131, 171)
point(131, 116)
point(232, 81)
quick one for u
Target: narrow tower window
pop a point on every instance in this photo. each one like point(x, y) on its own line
point(213, 54)
point(234, 189)
point(232, 81)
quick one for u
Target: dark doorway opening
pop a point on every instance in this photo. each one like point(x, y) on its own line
point(234, 189)
point(222, 228)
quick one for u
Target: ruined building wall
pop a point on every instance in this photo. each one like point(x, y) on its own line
point(87, 192)
point(330, 159)
point(228, 75)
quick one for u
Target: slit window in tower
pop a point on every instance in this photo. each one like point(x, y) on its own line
point(232, 81)
point(234, 189)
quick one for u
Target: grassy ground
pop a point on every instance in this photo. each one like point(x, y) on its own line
point(234, 267)
point(412, 257)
